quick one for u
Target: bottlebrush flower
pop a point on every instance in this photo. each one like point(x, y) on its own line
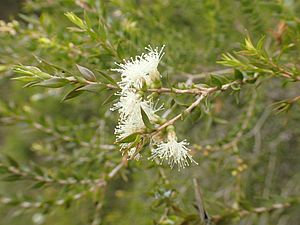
point(142, 67)
point(133, 73)
point(176, 153)
point(130, 103)
point(131, 120)
point(127, 103)
point(132, 124)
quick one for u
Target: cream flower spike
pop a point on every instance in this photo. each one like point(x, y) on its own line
point(174, 152)
point(142, 67)
point(130, 103)
point(131, 120)
point(127, 103)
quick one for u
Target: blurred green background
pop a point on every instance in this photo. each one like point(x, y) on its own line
point(63, 139)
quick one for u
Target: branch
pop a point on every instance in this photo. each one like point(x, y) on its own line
point(237, 138)
point(59, 202)
point(204, 93)
point(258, 210)
point(200, 204)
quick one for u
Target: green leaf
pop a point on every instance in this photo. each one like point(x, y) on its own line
point(128, 139)
point(30, 84)
point(235, 87)
point(80, 79)
point(51, 65)
point(29, 19)
point(13, 177)
point(260, 43)
point(54, 82)
point(76, 20)
point(251, 81)
point(72, 94)
point(93, 88)
point(38, 184)
point(31, 71)
point(3, 169)
point(146, 120)
point(102, 32)
point(238, 75)
point(25, 78)
point(4, 68)
point(220, 120)
point(86, 73)
point(195, 114)
point(245, 204)
point(237, 97)
point(87, 20)
point(110, 98)
point(133, 144)
point(144, 85)
point(107, 78)
point(120, 51)
point(183, 115)
point(215, 81)
point(37, 170)
point(183, 100)
point(12, 162)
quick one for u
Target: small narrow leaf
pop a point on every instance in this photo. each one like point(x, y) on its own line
point(54, 82)
point(31, 71)
point(3, 169)
point(47, 63)
point(30, 84)
point(260, 43)
point(110, 98)
point(132, 145)
point(38, 170)
point(25, 78)
point(220, 120)
point(146, 120)
point(87, 20)
point(128, 139)
point(13, 177)
point(102, 32)
point(12, 162)
point(120, 51)
point(37, 185)
point(238, 75)
point(72, 94)
point(76, 20)
point(86, 73)
point(215, 81)
point(183, 100)
point(93, 87)
point(235, 87)
point(107, 78)
point(183, 115)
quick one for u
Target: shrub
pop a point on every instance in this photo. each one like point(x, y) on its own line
point(201, 127)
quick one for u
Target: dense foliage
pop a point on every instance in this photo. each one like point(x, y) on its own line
point(229, 86)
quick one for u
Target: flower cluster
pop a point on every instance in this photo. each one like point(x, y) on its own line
point(172, 151)
point(139, 69)
point(135, 74)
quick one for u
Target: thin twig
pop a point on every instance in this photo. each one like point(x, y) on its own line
point(188, 110)
point(200, 204)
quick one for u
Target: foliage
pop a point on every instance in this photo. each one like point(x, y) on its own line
point(229, 85)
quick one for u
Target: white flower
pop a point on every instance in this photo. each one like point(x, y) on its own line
point(142, 67)
point(131, 102)
point(132, 154)
point(128, 102)
point(176, 153)
point(132, 124)
point(131, 120)
point(133, 73)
